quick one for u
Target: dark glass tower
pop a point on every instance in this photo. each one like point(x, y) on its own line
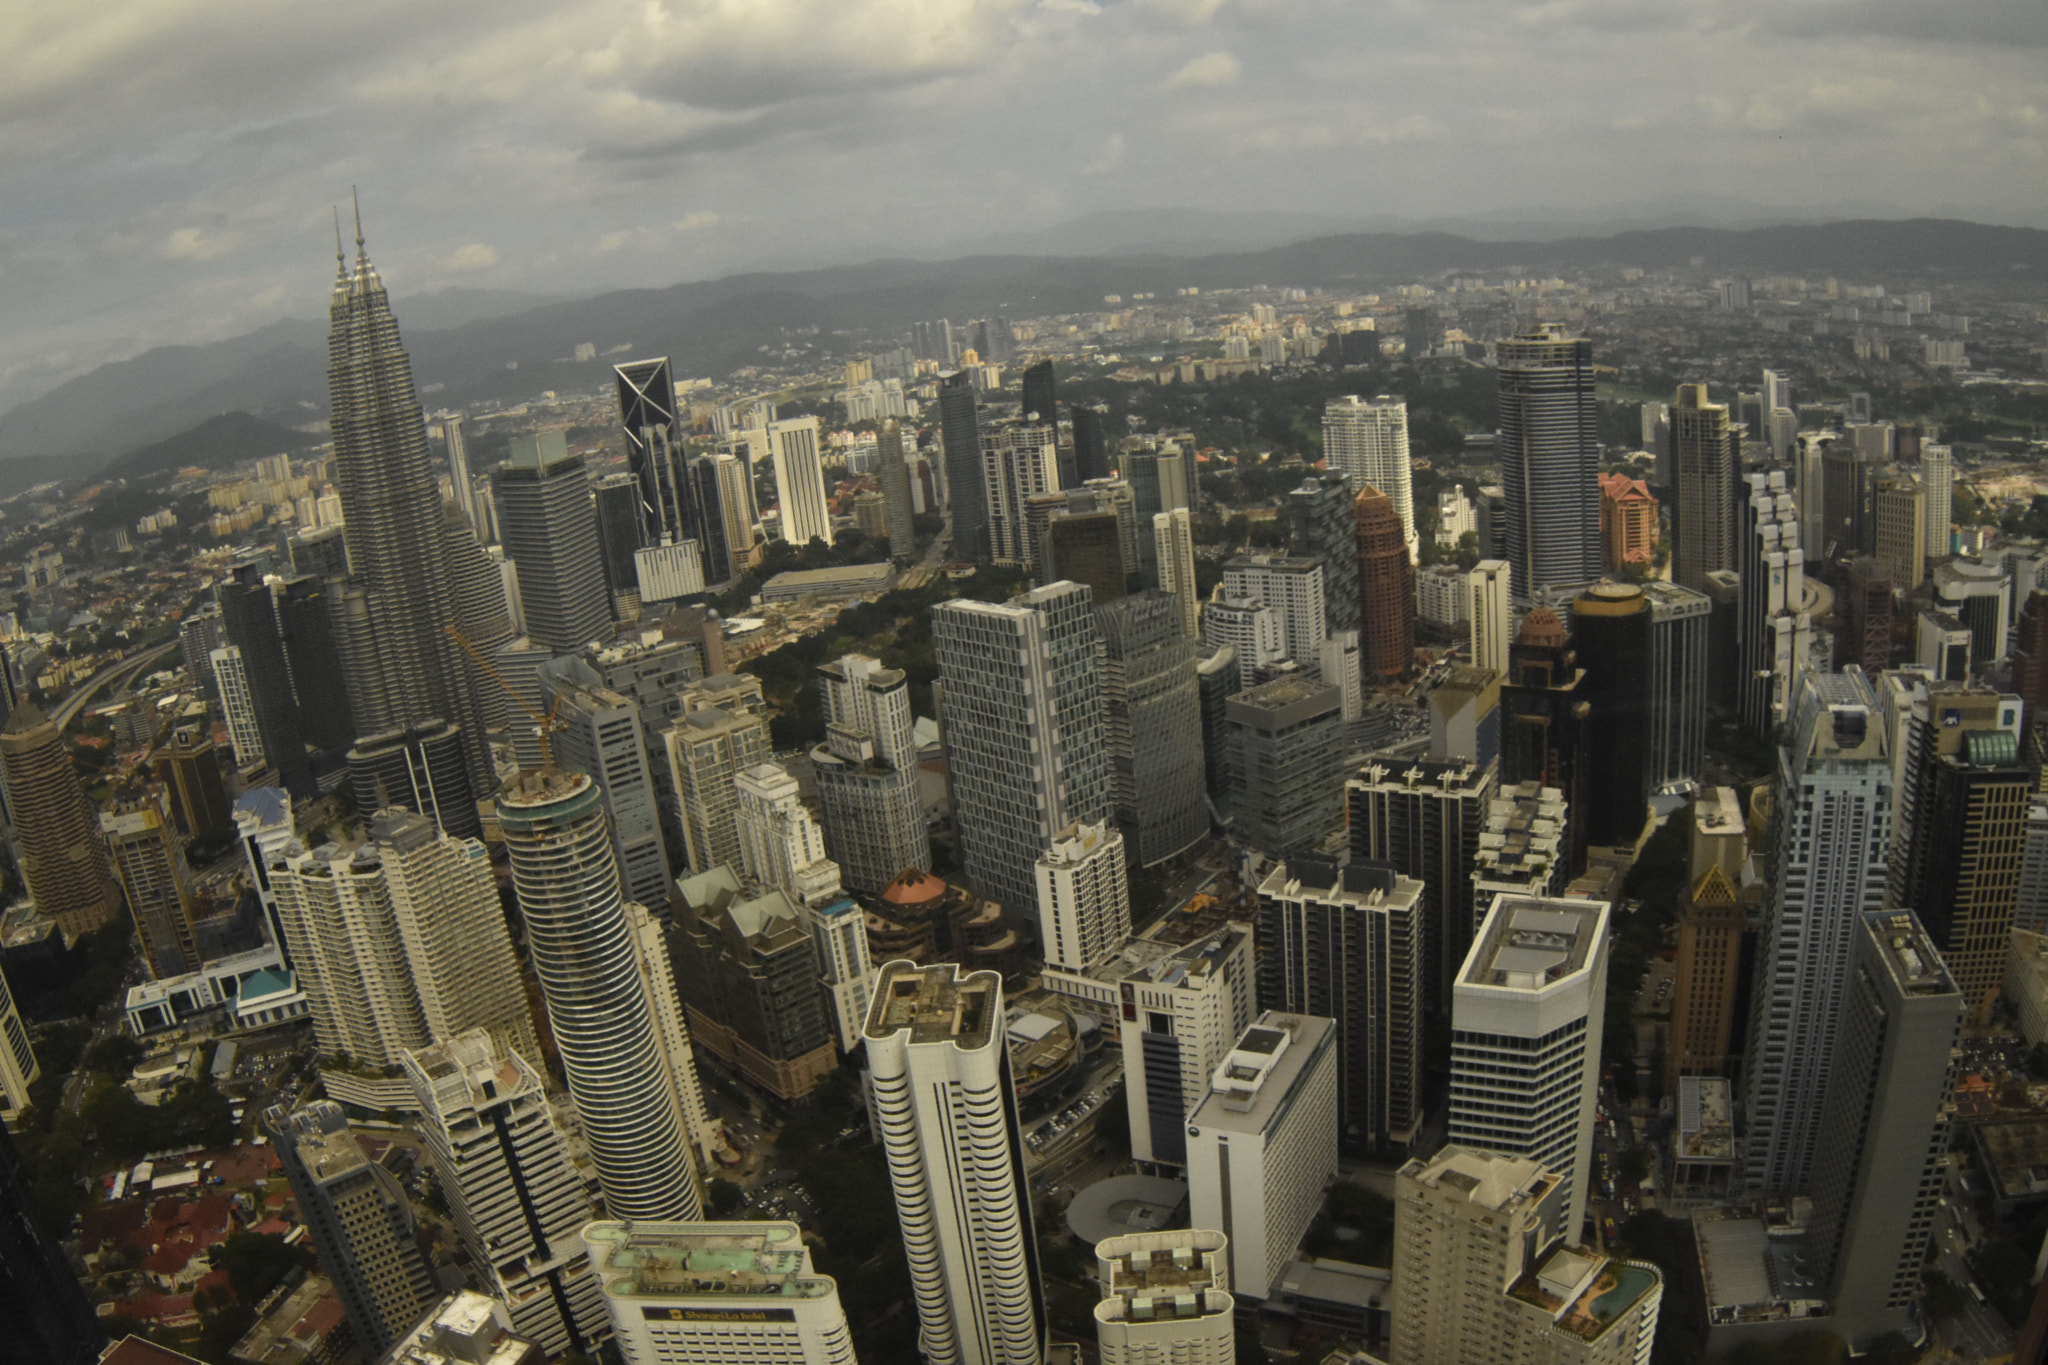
point(960, 429)
point(401, 665)
point(305, 620)
point(618, 531)
point(1091, 442)
point(545, 525)
point(1041, 394)
point(1611, 625)
point(249, 619)
point(47, 1316)
point(421, 769)
point(1550, 458)
point(714, 543)
point(1543, 721)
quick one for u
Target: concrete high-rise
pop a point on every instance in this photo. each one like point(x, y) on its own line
point(1678, 684)
point(764, 1306)
point(869, 801)
point(781, 846)
point(1424, 819)
point(1386, 589)
point(62, 858)
point(1966, 785)
point(1325, 530)
point(1019, 460)
point(1834, 811)
point(1713, 923)
point(1522, 849)
point(1262, 1144)
point(399, 662)
point(1937, 477)
point(1706, 464)
point(1028, 668)
point(578, 933)
point(943, 1095)
point(150, 861)
point(1773, 630)
point(1492, 614)
point(1173, 536)
point(1899, 507)
point(1087, 547)
point(1549, 446)
point(1612, 627)
point(1293, 587)
point(748, 966)
point(1084, 897)
point(960, 435)
point(598, 732)
point(237, 705)
point(196, 798)
point(1367, 441)
point(1165, 1297)
point(361, 1225)
point(799, 459)
point(1153, 726)
point(517, 1200)
point(1485, 1270)
point(1345, 942)
point(1253, 632)
point(461, 482)
point(1287, 763)
point(1882, 1161)
point(722, 732)
point(550, 533)
point(1527, 1017)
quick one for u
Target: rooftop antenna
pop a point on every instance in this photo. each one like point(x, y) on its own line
point(340, 260)
point(358, 203)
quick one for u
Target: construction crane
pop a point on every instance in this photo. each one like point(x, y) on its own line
point(543, 725)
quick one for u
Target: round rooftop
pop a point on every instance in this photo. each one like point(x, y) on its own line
point(1127, 1203)
point(535, 787)
point(914, 888)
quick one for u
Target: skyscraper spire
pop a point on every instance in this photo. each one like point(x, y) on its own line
point(340, 256)
point(356, 201)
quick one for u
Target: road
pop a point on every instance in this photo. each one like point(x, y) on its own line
point(125, 669)
point(934, 555)
point(1978, 1332)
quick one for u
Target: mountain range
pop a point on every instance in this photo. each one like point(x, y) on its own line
point(472, 346)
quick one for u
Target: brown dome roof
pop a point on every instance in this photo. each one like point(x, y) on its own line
point(1541, 628)
point(914, 888)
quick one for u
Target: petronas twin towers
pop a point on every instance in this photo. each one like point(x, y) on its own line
point(405, 556)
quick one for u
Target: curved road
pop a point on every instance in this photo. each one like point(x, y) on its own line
point(124, 669)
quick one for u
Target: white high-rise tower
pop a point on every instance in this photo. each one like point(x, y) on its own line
point(800, 481)
point(1488, 588)
point(1368, 441)
point(942, 1093)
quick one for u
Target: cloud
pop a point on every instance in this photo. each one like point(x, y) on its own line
point(473, 256)
point(1208, 71)
point(1109, 158)
point(197, 244)
point(612, 241)
point(697, 221)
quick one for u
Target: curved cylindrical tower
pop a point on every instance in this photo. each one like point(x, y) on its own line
point(1386, 586)
point(943, 1094)
point(567, 881)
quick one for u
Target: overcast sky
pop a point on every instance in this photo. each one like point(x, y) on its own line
point(167, 167)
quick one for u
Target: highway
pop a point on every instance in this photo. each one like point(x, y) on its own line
point(124, 669)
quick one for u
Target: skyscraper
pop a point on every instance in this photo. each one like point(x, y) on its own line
point(1543, 722)
point(549, 531)
point(248, 614)
point(722, 732)
point(781, 846)
point(1899, 507)
point(1368, 443)
point(651, 421)
point(1084, 897)
point(869, 801)
point(1262, 1141)
point(420, 768)
point(361, 1224)
point(1287, 762)
point(599, 733)
point(894, 476)
point(237, 705)
point(1773, 630)
point(47, 1315)
point(1706, 465)
point(1713, 923)
point(943, 1095)
point(197, 799)
point(966, 496)
point(1091, 441)
point(1290, 585)
point(517, 1200)
point(1086, 547)
point(1325, 530)
point(1173, 536)
point(1549, 458)
point(1834, 812)
point(460, 480)
point(617, 499)
point(1424, 819)
point(1492, 617)
point(305, 623)
point(1612, 627)
point(1029, 667)
point(1486, 1268)
point(1019, 460)
point(62, 858)
point(1678, 684)
point(1152, 725)
point(747, 965)
point(1527, 1017)
point(399, 663)
point(577, 931)
point(1345, 942)
point(1386, 588)
point(150, 861)
point(1937, 477)
point(768, 1307)
point(800, 481)
point(1882, 1161)
point(1165, 1296)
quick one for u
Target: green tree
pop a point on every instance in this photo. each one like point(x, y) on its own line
point(255, 1262)
point(725, 1196)
point(1943, 1298)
